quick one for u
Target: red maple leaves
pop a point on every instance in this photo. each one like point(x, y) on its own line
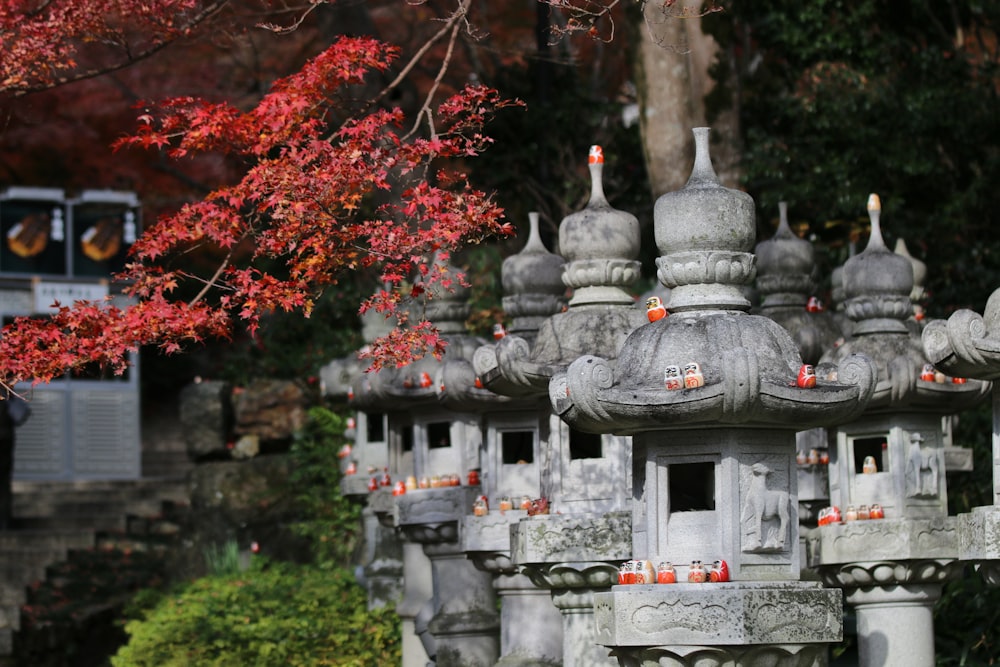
point(323, 193)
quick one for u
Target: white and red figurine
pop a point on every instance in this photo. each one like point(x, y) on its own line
point(672, 379)
point(693, 376)
point(807, 377)
point(655, 309)
point(719, 572)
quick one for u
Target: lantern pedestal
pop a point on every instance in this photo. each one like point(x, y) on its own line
point(574, 555)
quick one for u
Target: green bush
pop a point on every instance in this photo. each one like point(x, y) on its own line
point(271, 614)
point(331, 522)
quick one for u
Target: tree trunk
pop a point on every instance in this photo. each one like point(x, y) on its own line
point(672, 80)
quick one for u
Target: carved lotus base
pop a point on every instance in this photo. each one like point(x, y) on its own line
point(494, 562)
point(790, 655)
point(559, 576)
point(686, 617)
point(866, 574)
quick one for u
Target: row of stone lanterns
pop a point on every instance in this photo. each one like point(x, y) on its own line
point(588, 435)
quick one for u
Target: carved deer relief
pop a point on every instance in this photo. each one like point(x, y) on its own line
point(762, 509)
point(921, 470)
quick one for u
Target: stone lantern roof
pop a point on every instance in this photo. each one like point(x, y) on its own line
point(420, 382)
point(339, 376)
point(532, 284)
point(786, 268)
point(967, 343)
point(877, 286)
point(600, 245)
point(747, 365)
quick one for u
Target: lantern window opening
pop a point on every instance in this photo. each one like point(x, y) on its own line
point(376, 428)
point(870, 446)
point(439, 435)
point(691, 487)
point(517, 447)
point(585, 445)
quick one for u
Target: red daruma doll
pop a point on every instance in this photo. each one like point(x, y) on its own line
point(665, 574)
point(644, 573)
point(626, 573)
point(696, 573)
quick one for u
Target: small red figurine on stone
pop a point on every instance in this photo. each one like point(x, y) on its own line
point(644, 573)
point(499, 331)
point(814, 305)
point(672, 378)
point(654, 309)
point(719, 572)
point(399, 488)
point(693, 376)
point(665, 574)
point(927, 373)
point(425, 380)
point(876, 511)
point(373, 484)
point(696, 573)
point(807, 377)
point(538, 506)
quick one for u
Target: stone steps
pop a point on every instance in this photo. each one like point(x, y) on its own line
point(51, 520)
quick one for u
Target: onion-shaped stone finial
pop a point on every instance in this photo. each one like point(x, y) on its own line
point(600, 244)
point(532, 282)
point(705, 233)
point(919, 269)
point(877, 282)
point(785, 264)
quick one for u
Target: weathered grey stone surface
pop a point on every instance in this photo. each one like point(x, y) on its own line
point(786, 278)
point(714, 474)
point(555, 538)
point(910, 481)
point(979, 534)
point(884, 539)
point(752, 519)
point(490, 533)
point(433, 507)
point(206, 418)
point(418, 593)
point(726, 614)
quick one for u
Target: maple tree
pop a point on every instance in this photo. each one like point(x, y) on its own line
point(327, 187)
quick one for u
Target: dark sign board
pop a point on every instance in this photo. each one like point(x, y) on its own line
point(33, 232)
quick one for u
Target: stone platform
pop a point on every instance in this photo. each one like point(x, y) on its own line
point(735, 614)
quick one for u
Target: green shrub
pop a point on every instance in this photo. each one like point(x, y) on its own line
point(329, 521)
point(223, 559)
point(271, 614)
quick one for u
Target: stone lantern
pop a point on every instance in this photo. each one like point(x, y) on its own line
point(449, 605)
point(367, 456)
point(714, 465)
point(575, 548)
point(892, 455)
point(530, 625)
point(786, 268)
point(968, 344)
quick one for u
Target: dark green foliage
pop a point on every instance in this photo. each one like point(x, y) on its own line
point(329, 521)
point(840, 99)
point(272, 614)
point(288, 345)
point(277, 613)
